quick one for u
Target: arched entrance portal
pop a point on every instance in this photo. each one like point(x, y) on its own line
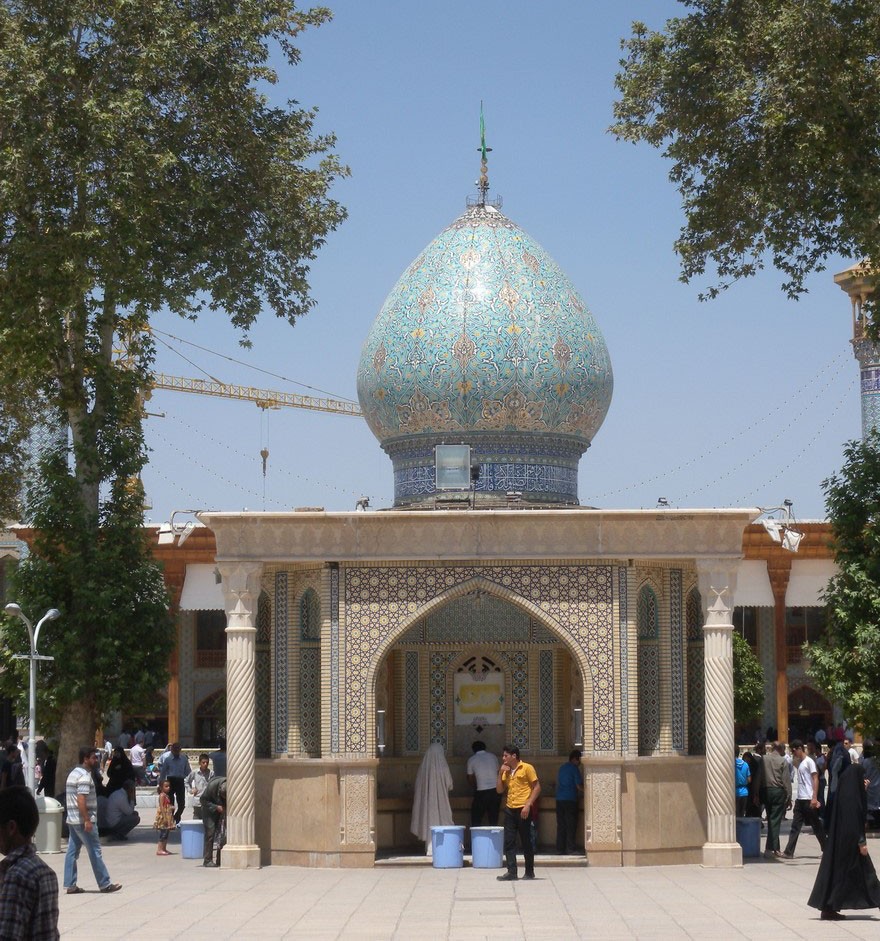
point(476, 666)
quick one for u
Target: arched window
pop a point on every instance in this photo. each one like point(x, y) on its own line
point(310, 615)
point(648, 621)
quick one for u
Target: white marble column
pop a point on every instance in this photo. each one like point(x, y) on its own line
point(241, 589)
point(717, 581)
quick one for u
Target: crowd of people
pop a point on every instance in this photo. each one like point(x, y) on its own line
point(829, 786)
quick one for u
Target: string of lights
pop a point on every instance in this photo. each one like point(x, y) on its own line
point(794, 458)
point(768, 443)
point(831, 371)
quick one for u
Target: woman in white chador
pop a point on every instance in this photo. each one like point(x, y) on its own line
point(431, 798)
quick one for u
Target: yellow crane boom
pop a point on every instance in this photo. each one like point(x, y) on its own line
point(263, 398)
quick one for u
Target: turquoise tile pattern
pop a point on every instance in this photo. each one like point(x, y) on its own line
point(485, 338)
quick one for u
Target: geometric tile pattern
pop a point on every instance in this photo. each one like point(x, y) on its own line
point(310, 698)
point(477, 616)
point(676, 647)
point(518, 663)
point(623, 641)
point(438, 699)
point(696, 675)
point(649, 671)
point(263, 679)
point(411, 702)
point(545, 700)
point(280, 664)
point(868, 354)
point(531, 478)
point(575, 600)
point(335, 731)
point(649, 696)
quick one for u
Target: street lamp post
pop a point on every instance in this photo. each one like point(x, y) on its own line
point(33, 656)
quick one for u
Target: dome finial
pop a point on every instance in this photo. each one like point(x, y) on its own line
point(483, 184)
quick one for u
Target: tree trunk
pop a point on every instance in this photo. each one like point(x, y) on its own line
point(78, 724)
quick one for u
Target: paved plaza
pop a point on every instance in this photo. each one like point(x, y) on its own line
point(165, 898)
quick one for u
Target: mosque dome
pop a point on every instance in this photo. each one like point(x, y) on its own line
point(484, 341)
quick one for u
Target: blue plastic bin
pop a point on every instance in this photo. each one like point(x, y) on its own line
point(447, 847)
point(487, 847)
point(192, 839)
point(748, 835)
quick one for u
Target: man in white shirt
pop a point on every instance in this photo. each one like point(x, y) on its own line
point(82, 821)
point(806, 804)
point(137, 756)
point(482, 775)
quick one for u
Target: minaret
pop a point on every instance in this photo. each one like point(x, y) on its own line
point(859, 284)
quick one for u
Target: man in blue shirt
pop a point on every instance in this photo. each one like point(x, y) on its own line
point(569, 784)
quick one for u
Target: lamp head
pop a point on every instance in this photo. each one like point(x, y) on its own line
point(13, 609)
point(774, 530)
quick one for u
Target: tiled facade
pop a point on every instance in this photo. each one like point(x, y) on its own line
point(531, 623)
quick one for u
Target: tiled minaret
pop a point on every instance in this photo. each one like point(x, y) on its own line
point(859, 285)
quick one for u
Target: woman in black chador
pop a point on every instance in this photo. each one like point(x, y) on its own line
point(846, 877)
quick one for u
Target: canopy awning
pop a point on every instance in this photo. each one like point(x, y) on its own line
point(753, 585)
point(808, 581)
point(200, 590)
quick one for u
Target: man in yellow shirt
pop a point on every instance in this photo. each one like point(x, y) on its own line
point(520, 781)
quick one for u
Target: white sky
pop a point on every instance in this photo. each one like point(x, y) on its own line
point(744, 400)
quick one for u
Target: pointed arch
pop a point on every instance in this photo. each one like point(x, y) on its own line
point(489, 587)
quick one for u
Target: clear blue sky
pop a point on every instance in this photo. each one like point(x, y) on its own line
point(741, 401)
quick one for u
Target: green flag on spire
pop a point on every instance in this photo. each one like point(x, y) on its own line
point(482, 132)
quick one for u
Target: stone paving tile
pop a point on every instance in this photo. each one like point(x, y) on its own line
point(410, 903)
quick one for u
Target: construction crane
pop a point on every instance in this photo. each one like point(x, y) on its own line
point(262, 398)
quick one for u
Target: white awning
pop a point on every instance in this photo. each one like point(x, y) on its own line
point(753, 585)
point(201, 591)
point(809, 579)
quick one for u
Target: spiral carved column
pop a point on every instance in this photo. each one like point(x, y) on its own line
point(717, 580)
point(241, 588)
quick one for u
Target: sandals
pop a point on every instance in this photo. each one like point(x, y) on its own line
point(113, 887)
point(75, 890)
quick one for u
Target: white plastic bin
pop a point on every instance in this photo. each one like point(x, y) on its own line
point(48, 836)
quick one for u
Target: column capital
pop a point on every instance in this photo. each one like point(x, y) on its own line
point(241, 589)
point(717, 583)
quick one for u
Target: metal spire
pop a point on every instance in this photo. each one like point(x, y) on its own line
point(483, 184)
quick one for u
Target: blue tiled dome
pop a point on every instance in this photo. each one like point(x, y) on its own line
point(484, 341)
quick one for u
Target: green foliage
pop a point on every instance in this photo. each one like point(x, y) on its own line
point(845, 663)
point(748, 682)
point(112, 641)
point(769, 111)
point(142, 167)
